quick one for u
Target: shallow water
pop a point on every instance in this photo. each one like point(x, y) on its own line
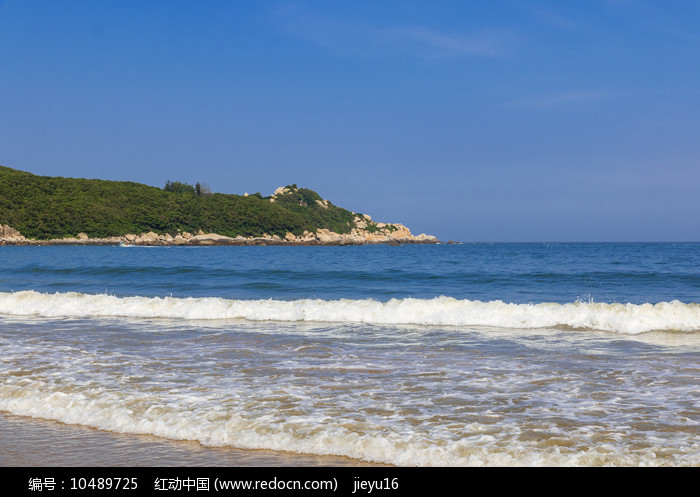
point(30, 442)
point(375, 354)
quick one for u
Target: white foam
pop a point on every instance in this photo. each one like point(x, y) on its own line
point(620, 318)
point(104, 410)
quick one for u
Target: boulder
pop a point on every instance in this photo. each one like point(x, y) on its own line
point(9, 232)
point(149, 237)
point(210, 239)
point(280, 190)
point(324, 235)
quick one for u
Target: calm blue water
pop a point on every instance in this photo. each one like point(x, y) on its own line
point(474, 354)
point(512, 272)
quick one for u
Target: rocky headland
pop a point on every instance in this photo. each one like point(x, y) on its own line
point(382, 233)
point(52, 210)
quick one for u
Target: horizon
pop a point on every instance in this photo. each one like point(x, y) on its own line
point(479, 123)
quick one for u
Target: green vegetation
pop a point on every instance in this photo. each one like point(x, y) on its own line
point(201, 190)
point(177, 187)
point(44, 207)
point(320, 214)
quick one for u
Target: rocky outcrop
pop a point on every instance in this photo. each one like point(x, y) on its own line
point(209, 239)
point(365, 232)
point(9, 235)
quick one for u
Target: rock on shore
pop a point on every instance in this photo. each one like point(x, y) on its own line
point(363, 233)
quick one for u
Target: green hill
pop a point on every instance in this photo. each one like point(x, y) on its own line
point(44, 207)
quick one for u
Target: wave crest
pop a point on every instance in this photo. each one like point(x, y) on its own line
point(439, 311)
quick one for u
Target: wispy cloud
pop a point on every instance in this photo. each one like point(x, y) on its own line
point(552, 19)
point(381, 40)
point(424, 42)
point(560, 99)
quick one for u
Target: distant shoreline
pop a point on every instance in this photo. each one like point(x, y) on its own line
point(322, 237)
point(235, 243)
point(78, 211)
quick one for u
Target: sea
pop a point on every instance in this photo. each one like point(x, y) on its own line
point(468, 355)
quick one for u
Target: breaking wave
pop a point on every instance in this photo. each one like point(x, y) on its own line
point(440, 311)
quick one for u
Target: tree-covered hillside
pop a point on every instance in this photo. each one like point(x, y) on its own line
point(44, 207)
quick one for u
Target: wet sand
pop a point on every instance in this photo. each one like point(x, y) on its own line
point(38, 442)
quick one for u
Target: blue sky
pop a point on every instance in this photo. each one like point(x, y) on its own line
point(470, 120)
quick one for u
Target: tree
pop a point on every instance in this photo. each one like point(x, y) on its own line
point(178, 187)
point(202, 190)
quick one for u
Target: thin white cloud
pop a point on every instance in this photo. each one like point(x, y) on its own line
point(424, 42)
point(377, 40)
point(552, 19)
point(559, 99)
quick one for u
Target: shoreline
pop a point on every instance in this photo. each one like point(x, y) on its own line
point(248, 242)
point(38, 442)
point(322, 237)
